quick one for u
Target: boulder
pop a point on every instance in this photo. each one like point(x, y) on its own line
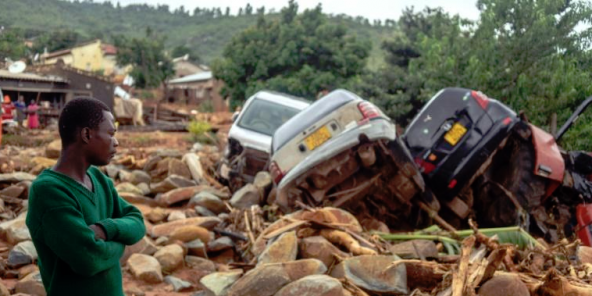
point(196, 248)
point(180, 194)
point(176, 216)
point(313, 285)
point(283, 249)
point(18, 232)
point(145, 246)
point(170, 257)
point(204, 212)
point(31, 284)
point(138, 199)
point(170, 183)
point(178, 284)
point(373, 273)
point(145, 188)
point(15, 191)
point(220, 244)
point(16, 177)
point(504, 284)
point(263, 181)
point(218, 283)
point(54, 149)
point(139, 177)
point(189, 233)
point(166, 229)
point(178, 167)
point(22, 254)
point(246, 197)
point(127, 187)
point(320, 248)
point(200, 264)
point(112, 171)
point(145, 268)
point(209, 201)
point(415, 249)
point(194, 166)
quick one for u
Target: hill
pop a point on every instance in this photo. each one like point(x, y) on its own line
point(205, 30)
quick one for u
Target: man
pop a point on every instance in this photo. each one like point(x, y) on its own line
point(78, 222)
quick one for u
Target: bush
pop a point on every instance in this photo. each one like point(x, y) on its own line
point(200, 131)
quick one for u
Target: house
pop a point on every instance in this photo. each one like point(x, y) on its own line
point(197, 89)
point(94, 56)
point(54, 85)
point(184, 67)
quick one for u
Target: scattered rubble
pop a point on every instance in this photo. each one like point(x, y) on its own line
point(203, 240)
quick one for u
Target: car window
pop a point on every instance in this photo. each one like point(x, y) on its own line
point(265, 117)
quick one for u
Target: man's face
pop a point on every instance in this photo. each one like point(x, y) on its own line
point(102, 144)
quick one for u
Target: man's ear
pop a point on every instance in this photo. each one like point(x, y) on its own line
point(85, 135)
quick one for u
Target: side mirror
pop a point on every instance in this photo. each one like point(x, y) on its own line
point(235, 116)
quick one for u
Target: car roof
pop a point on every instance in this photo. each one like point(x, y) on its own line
point(282, 98)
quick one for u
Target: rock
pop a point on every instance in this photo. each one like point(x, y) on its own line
point(145, 246)
point(162, 241)
point(194, 166)
point(125, 160)
point(43, 162)
point(127, 187)
point(134, 291)
point(169, 153)
point(27, 270)
point(178, 167)
point(125, 177)
point(320, 248)
point(178, 284)
point(157, 215)
point(140, 177)
point(16, 177)
point(170, 257)
point(204, 212)
point(18, 232)
point(180, 194)
point(170, 183)
point(15, 191)
point(584, 253)
point(3, 290)
point(166, 229)
point(504, 284)
point(407, 250)
point(263, 181)
point(223, 257)
point(112, 171)
point(208, 201)
point(22, 254)
point(144, 187)
point(200, 264)
point(197, 147)
point(4, 226)
point(245, 197)
point(176, 216)
point(31, 284)
point(196, 248)
point(284, 249)
point(268, 279)
point(145, 268)
point(313, 285)
point(54, 149)
point(189, 233)
point(218, 283)
point(373, 273)
point(221, 244)
point(138, 199)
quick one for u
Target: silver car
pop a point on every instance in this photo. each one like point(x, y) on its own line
point(341, 149)
point(249, 138)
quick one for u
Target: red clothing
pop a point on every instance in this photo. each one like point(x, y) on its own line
point(33, 116)
point(7, 108)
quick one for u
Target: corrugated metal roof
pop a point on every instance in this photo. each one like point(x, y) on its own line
point(30, 76)
point(193, 78)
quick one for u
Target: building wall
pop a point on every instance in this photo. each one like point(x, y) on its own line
point(67, 58)
point(88, 57)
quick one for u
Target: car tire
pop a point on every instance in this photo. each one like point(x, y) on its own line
point(513, 169)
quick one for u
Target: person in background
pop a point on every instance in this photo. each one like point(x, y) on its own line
point(7, 108)
point(33, 116)
point(21, 110)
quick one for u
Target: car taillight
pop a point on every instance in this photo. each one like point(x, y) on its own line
point(368, 110)
point(276, 172)
point(481, 99)
point(425, 166)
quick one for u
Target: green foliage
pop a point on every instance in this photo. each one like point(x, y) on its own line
point(56, 40)
point(527, 54)
point(205, 30)
point(12, 45)
point(183, 50)
point(150, 66)
point(300, 54)
point(200, 131)
point(206, 107)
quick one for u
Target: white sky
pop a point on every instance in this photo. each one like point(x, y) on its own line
point(371, 9)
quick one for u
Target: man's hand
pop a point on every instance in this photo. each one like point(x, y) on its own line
point(99, 232)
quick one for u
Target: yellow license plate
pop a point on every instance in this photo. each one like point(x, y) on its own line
point(455, 134)
point(317, 138)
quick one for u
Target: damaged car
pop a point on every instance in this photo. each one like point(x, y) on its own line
point(482, 159)
point(249, 138)
point(341, 149)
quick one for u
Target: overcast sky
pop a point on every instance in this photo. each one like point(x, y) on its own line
point(371, 9)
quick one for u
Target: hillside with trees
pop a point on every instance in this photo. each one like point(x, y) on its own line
point(204, 30)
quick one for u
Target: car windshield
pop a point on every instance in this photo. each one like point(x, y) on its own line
point(265, 117)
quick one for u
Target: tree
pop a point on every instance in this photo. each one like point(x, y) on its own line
point(248, 9)
point(57, 40)
point(227, 12)
point(297, 54)
point(12, 45)
point(151, 67)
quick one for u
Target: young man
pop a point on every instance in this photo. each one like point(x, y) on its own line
point(79, 224)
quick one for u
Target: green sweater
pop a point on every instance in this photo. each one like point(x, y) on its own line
point(71, 260)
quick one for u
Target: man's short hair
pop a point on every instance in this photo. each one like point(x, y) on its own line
point(77, 114)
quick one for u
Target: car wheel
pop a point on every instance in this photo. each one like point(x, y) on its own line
point(508, 181)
